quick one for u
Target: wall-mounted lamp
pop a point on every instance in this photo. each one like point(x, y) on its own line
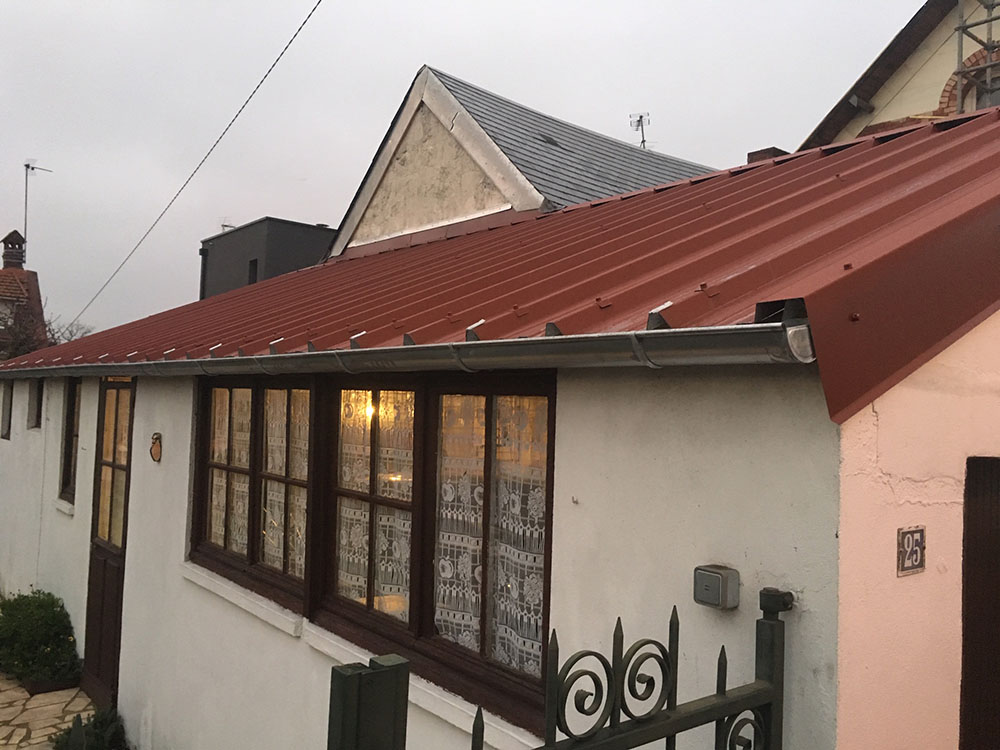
point(156, 448)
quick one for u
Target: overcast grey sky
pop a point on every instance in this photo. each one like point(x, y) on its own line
point(121, 98)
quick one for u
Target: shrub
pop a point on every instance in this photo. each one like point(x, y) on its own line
point(36, 638)
point(102, 731)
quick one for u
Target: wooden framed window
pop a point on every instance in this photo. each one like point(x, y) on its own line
point(5, 409)
point(36, 398)
point(255, 484)
point(428, 505)
point(114, 443)
point(71, 439)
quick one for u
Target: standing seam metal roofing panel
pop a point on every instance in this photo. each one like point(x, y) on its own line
point(891, 241)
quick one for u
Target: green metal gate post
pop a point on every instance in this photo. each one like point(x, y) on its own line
point(770, 660)
point(368, 705)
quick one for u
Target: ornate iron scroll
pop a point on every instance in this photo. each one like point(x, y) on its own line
point(631, 699)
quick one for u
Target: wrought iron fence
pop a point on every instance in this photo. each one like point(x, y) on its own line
point(631, 699)
point(596, 702)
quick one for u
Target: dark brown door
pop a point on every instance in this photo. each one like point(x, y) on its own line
point(980, 713)
point(107, 546)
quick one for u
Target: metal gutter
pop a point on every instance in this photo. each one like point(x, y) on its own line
point(755, 343)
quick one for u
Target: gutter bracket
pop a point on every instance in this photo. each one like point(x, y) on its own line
point(640, 352)
point(458, 359)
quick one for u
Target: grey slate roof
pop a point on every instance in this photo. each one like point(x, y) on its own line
point(567, 164)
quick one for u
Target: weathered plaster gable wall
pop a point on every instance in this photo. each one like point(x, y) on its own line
point(903, 464)
point(430, 181)
point(916, 87)
point(657, 472)
point(44, 541)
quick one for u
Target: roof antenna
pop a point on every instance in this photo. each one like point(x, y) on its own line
point(639, 121)
point(29, 167)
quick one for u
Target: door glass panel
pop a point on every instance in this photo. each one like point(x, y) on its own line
point(395, 444)
point(220, 425)
point(118, 507)
point(458, 559)
point(352, 551)
point(273, 524)
point(217, 513)
point(236, 517)
point(517, 533)
point(104, 507)
point(356, 411)
point(121, 431)
point(240, 448)
point(110, 408)
point(298, 436)
point(275, 419)
point(296, 531)
point(392, 562)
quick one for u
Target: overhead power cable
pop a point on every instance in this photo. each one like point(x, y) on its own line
point(200, 163)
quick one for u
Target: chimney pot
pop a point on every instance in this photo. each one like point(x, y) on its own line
point(13, 250)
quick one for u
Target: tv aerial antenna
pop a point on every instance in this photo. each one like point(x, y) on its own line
point(639, 121)
point(29, 167)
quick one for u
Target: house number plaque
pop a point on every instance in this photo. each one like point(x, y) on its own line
point(910, 548)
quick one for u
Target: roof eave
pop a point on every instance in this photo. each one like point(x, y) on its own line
point(757, 343)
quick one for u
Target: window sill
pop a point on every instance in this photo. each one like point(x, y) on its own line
point(64, 507)
point(428, 696)
point(260, 607)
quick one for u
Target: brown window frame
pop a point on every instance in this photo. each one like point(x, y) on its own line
point(71, 439)
point(516, 696)
point(120, 385)
point(249, 570)
point(6, 409)
point(36, 403)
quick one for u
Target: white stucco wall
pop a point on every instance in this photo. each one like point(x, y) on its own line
point(44, 541)
point(659, 472)
point(655, 473)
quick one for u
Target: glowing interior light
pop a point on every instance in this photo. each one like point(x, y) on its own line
point(369, 410)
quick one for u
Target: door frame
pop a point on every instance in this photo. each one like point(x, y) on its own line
point(106, 695)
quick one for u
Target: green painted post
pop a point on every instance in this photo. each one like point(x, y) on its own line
point(368, 705)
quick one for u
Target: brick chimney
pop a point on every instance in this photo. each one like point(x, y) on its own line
point(13, 250)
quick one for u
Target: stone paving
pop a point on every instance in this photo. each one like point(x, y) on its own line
point(29, 720)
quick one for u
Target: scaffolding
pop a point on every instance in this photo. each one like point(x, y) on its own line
point(984, 78)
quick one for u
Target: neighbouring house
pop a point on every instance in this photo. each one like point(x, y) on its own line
point(260, 250)
point(450, 438)
point(456, 152)
point(930, 70)
point(22, 318)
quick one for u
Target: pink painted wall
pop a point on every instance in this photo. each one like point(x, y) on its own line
point(903, 464)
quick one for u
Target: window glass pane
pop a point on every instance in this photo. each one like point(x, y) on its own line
point(352, 550)
point(298, 436)
point(272, 524)
point(75, 441)
point(118, 508)
point(395, 444)
point(121, 431)
point(8, 396)
point(517, 533)
point(392, 562)
point(355, 440)
point(236, 515)
point(458, 557)
point(275, 420)
point(296, 531)
point(110, 407)
point(220, 425)
point(104, 508)
point(240, 449)
point(217, 513)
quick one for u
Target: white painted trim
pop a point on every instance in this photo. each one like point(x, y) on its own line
point(64, 507)
point(264, 609)
point(426, 695)
point(427, 89)
point(435, 224)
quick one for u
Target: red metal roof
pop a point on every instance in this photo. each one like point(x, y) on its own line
point(891, 240)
